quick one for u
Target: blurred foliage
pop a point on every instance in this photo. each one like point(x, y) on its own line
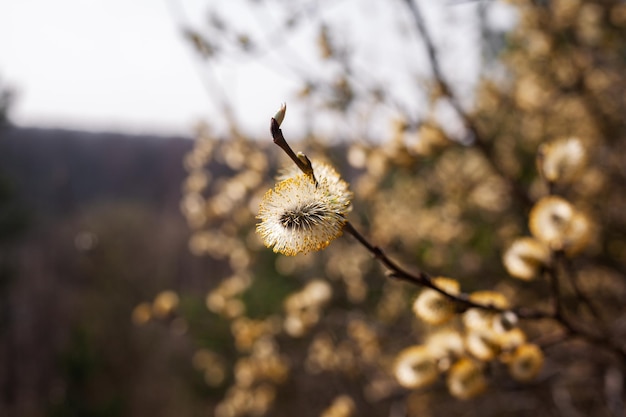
point(7, 97)
point(448, 191)
point(506, 189)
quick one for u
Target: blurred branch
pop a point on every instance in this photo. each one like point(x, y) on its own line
point(563, 401)
point(575, 330)
point(478, 140)
point(421, 278)
point(570, 274)
point(214, 90)
point(614, 391)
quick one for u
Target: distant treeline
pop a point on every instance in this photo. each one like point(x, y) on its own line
point(56, 171)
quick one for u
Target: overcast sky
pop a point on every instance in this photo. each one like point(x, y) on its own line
point(113, 64)
point(122, 65)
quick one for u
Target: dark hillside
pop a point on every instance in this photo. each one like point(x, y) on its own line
point(57, 171)
point(103, 233)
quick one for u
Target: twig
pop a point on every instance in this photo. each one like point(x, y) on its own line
point(575, 330)
point(555, 290)
point(300, 160)
point(552, 339)
point(580, 294)
point(421, 278)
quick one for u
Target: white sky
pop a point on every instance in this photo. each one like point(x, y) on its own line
point(122, 64)
point(114, 64)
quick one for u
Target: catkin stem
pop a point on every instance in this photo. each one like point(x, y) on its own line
point(301, 162)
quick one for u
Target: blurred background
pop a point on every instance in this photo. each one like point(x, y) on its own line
point(134, 149)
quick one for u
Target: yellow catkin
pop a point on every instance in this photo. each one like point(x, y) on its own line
point(526, 362)
point(434, 307)
point(415, 367)
point(466, 379)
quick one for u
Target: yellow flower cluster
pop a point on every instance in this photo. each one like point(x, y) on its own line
point(211, 365)
point(242, 401)
point(256, 377)
point(327, 355)
point(342, 406)
point(163, 308)
point(349, 356)
point(247, 331)
point(556, 225)
point(303, 308)
point(224, 299)
point(481, 336)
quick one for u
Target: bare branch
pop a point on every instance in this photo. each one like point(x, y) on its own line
point(477, 139)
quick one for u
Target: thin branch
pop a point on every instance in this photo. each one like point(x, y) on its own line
point(573, 329)
point(421, 278)
point(300, 160)
point(550, 340)
point(215, 91)
point(570, 273)
point(555, 290)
